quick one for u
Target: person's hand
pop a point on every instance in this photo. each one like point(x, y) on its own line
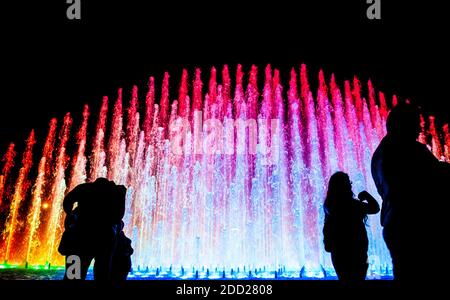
point(364, 195)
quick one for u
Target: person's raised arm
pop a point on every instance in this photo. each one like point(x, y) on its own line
point(372, 206)
point(70, 199)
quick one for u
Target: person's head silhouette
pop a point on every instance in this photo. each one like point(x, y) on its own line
point(339, 188)
point(403, 122)
point(102, 180)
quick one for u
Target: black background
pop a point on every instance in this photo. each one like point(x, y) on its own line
point(51, 65)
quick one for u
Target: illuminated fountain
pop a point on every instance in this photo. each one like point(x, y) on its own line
point(230, 184)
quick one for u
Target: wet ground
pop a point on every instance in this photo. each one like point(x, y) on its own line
point(57, 274)
point(24, 274)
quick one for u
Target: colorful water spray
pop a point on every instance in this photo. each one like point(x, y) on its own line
point(230, 184)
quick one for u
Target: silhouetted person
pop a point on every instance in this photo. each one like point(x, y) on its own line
point(414, 187)
point(345, 234)
point(121, 260)
point(94, 228)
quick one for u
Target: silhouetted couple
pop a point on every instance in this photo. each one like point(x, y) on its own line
point(94, 230)
point(415, 188)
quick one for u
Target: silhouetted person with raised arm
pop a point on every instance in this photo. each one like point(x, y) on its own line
point(414, 186)
point(93, 229)
point(345, 234)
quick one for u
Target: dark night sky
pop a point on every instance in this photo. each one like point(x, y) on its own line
point(51, 65)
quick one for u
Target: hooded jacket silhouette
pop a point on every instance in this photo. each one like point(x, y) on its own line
point(93, 228)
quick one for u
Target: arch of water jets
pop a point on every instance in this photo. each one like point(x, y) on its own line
point(238, 207)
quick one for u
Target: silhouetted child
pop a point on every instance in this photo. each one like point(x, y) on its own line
point(344, 230)
point(121, 260)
